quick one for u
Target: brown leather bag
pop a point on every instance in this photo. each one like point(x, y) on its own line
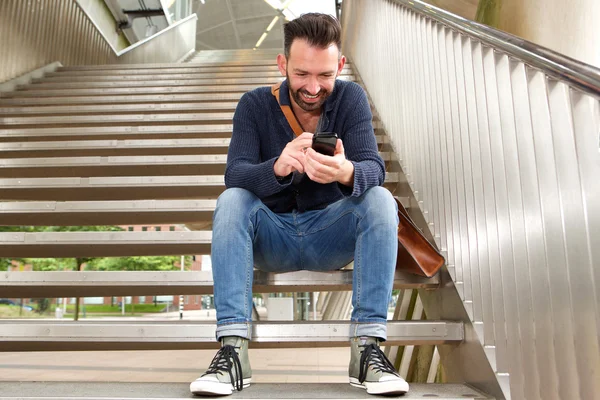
point(415, 254)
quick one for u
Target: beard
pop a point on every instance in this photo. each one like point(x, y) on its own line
point(296, 95)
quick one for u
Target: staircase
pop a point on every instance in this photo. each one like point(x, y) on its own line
point(146, 145)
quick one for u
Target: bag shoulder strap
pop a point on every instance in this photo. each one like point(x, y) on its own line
point(287, 111)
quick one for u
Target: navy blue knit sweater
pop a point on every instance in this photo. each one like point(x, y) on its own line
point(261, 132)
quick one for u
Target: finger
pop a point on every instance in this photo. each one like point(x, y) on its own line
point(301, 143)
point(293, 162)
point(321, 158)
point(321, 173)
point(339, 147)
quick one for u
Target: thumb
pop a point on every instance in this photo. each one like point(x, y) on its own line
point(339, 147)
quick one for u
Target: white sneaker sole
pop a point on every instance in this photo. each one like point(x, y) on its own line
point(208, 388)
point(388, 387)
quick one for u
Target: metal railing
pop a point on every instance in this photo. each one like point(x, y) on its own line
point(36, 33)
point(499, 141)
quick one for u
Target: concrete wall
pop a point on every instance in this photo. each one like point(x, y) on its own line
point(568, 27)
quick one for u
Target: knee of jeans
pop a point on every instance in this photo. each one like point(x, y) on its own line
point(234, 203)
point(380, 203)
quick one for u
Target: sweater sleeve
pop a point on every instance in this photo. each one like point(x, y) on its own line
point(244, 167)
point(360, 144)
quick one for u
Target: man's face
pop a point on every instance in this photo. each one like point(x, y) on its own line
point(311, 73)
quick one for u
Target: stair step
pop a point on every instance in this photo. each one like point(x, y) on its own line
point(54, 284)
point(96, 166)
point(127, 212)
point(120, 109)
point(103, 244)
point(208, 164)
point(180, 391)
point(84, 148)
point(111, 67)
point(124, 212)
point(157, 90)
point(121, 99)
point(122, 188)
point(169, 82)
point(173, 69)
point(126, 147)
point(159, 75)
point(83, 91)
point(120, 119)
point(32, 335)
point(153, 83)
point(118, 132)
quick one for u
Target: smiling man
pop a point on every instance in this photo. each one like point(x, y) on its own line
point(288, 207)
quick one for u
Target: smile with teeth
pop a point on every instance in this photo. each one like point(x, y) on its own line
point(308, 96)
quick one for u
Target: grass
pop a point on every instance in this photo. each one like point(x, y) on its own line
point(7, 311)
point(100, 310)
point(111, 310)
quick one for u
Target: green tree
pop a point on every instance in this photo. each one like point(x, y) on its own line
point(139, 263)
point(47, 264)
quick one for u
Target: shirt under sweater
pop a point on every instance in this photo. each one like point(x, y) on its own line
point(261, 132)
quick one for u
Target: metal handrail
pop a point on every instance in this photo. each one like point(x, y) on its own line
point(578, 74)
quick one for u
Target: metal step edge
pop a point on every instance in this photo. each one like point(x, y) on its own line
point(120, 109)
point(150, 132)
point(35, 335)
point(53, 284)
point(133, 99)
point(118, 161)
point(126, 144)
point(61, 77)
point(175, 69)
point(122, 188)
point(167, 130)
point(118, 212)
point(118, 118)
point(138, 90)
point(180, 391)
point(269, 63)
point(103, 244)
point(101, 166)
point(158, 82)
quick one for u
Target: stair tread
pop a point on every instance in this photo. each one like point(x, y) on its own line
point(122, 333)
point(131, 283)
point(180, 391)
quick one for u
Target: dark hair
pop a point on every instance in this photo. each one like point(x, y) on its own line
point(319, 30)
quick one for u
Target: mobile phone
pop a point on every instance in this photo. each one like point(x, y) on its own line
point(325, 142)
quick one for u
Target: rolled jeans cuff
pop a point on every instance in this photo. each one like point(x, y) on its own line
point(368, 329)
point(243, 330)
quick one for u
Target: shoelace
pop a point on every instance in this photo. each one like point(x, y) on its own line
point(224, 360)
point(372, 355)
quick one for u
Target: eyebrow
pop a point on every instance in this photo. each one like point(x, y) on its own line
point(297, 70)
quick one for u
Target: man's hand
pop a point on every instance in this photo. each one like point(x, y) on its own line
point(292, 157)
point(326, 169)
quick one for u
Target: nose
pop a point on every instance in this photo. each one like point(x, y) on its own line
point(313, 87)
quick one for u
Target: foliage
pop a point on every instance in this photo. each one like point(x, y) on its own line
point(43, 305)
point(139, 263)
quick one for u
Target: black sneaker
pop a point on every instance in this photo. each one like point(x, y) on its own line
point(229, 370)
point(371, 370)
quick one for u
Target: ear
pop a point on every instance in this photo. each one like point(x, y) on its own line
point(282, 64)
point(341, 64)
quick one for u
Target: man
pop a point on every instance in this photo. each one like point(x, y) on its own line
point(288, 208)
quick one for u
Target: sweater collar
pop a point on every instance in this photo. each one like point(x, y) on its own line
point(284, 96)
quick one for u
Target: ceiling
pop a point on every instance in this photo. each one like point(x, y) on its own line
point(235, 24)
point(222, 24)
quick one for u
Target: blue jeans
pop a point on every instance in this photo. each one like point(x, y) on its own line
point(247, 234)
